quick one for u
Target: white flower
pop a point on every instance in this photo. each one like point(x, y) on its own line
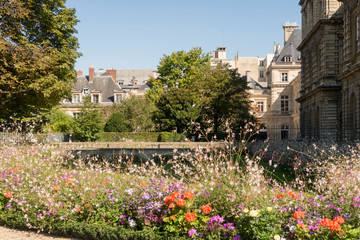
point(132, 223)
point(254, 213)
point(269, 209)
point(292, 229)
point(277, 237)
point(245, 210)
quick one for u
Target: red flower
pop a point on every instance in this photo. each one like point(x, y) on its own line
point(190, 217)
point(334, 226)
point(326, 222)
point(169, 199)
point(181, 202)
point(298, 214)
point(206, 209)
point(172, 217)
point(339, 220)
point(56, 188)
point(189, 195)
point(172, 205)
point(280, 196)
point(69, 180)
point(8, 194)
point(175, 195)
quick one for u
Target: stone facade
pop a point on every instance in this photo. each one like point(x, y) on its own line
point(330, 88)
point(274, 84)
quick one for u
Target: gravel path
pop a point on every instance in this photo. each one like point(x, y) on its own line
point(13, 234)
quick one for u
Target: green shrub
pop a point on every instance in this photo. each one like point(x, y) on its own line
point(117, 123)
point(141, 137)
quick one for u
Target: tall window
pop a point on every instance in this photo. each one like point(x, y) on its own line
point(260, 106)
point(118, 98)
point(284, 77)
point(95, 98)
point(76, 98)
point(261, 63)
point(284, 132)
point(262, 74)
point(284, 104)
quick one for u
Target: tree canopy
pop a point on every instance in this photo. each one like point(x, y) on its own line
point(176, 70)
point(38, 51)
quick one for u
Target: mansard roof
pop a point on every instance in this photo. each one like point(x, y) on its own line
point(289, 50)
point(104, 84)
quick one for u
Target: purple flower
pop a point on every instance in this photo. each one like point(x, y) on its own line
point(39, 216)
point(229, 226)
point(237, 237)
point(122, 216)
point(192, 232)
point(216, 219)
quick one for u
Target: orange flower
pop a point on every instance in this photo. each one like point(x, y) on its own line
point(339, 220)
point(334, 226)
point(143, 184)
point(56, 188)
point(246, 199)
point(78, 210)
point(175, 195)
point(301, 225)
point(190, 217)
point(181, 202)
point(172, 217)
point(169, 199)
point(88, 205)
point(15, 170)
point(172, 205)
point(293, 195)
point(69, 180)
point(188, 195)
point(8, 194)
point(298, 214)
point(104, 182)
point(206, 209)
point(326, 222)
point(280, 196)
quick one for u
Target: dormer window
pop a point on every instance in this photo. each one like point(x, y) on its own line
point(76, 98)
point(118, 98)
point(287, 59)
point(85, 91)
point(95, 98)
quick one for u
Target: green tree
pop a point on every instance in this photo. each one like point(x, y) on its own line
point(89, 125)
point(60, 121)
point(177, 109)
point(38, 51)
point(117, 123)
point(223, 98)
point(176, 70)
point(138, 112)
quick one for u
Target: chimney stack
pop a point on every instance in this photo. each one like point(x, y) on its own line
point(111, 73)
point(79, 73)
point(288, 30)
point(133, 81)
point(91, 74)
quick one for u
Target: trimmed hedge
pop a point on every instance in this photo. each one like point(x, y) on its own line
point(142, 137)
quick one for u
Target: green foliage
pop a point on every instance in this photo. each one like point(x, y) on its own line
point(60, 121)
point(137, 112)
point(223, 98)
point(177, 109)
point(176, 70)
point(117, 123)
point(89, 125)
point(142, 137)
point(38, 51)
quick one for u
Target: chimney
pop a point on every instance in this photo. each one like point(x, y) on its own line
point(133, 81)
point(79, 73)
point(91, 74)
point(288, 30)
point(111, 73)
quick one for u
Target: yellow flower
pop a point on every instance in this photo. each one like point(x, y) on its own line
point(254, 213)
point(269, 209)
point(277, 237)
point(245, 210)
point(236, 216)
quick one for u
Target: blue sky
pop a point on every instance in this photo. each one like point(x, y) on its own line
point(135, 34)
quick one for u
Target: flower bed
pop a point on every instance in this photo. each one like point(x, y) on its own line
point(209, 194)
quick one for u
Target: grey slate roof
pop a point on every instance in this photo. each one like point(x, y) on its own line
point(290, 48)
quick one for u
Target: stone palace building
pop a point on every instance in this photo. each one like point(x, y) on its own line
point(330, 75)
